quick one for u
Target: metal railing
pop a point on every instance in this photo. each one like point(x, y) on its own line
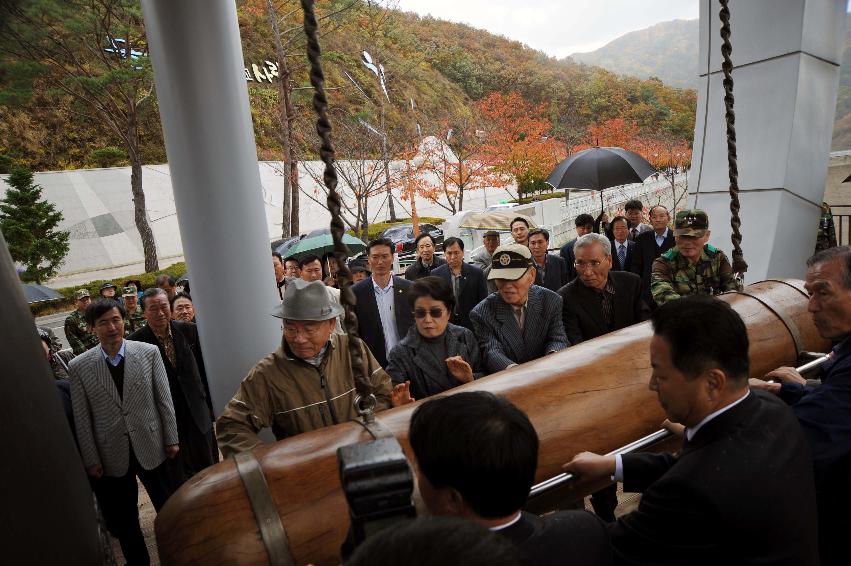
point(542, 494)
point(842, 223)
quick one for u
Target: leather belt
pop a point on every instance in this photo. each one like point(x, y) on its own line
point(265, 512)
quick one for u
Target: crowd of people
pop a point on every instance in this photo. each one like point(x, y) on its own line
point(757, 481)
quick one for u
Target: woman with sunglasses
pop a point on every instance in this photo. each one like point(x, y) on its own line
point(435, 355)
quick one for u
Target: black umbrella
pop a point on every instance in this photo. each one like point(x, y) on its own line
point(599, 168)
point(40, 293)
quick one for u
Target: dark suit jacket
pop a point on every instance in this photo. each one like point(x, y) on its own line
point(565, 537)
point(190, 372)
point(369, 321)
point(473, 291)
point(741, 492)
point(556, 274)
point(582, 309)
point(630, 252)
point(569, 257)
point(501, 340)
point(417, 269)
point(646, 251)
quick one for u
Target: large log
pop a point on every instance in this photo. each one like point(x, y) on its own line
point(593, 396)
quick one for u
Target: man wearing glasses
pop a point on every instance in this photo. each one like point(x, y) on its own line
point(521, 322)
point(306, 383)
point(599, 301)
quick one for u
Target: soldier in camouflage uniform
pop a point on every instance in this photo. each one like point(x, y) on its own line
point(77, 329)
point(134, 320)
point(693, 267)
point(826, 237)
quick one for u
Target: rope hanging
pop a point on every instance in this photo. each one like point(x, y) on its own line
point(739, 264)
point(341, 251)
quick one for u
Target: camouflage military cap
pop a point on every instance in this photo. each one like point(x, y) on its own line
point(129, 291)
point(693, 222)
point(81, 294)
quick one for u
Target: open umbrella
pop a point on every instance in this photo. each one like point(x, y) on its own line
point(40, 293)
point(599, 168)
point(321, 243)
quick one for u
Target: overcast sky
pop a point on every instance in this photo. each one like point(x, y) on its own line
point(557, 27)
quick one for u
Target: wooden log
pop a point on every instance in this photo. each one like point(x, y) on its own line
point(593, 396)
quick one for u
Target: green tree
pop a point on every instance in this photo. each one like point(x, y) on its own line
point(96, 54)
point(29, 225)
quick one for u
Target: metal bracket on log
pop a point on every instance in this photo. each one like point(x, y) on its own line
point(265, 512)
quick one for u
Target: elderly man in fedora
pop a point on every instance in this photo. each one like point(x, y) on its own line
point(307, 382)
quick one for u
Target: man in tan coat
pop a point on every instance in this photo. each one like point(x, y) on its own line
point(307, 382)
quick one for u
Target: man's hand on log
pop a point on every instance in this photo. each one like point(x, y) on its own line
point(591, 466)
point(786, 374)
point(401, 394)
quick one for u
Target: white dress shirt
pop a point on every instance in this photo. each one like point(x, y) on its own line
point(118, 357)
point(386, 302)
point(661, 239)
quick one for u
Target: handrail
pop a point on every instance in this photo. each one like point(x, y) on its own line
point(663, 434)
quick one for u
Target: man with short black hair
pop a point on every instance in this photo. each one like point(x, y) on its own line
point(278, 266)
point(467, 281)
point(633, 211)
point(584, 225)
point(135, 319)
point(291, 267)
point(550, 271)
point(310, 267)
point(476, 458)
point(427, 261)
point(167, 283)
point(521, 322)
point(622, 247)
point(741, 489)
point(649, 245)
point(520, 231)
point(384, 315)
point(125, 424)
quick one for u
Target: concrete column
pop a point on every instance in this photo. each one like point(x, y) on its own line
point(786, 56)
point(196, 54)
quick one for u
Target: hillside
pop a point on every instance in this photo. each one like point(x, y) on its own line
point(669, 51)
point(444, 67)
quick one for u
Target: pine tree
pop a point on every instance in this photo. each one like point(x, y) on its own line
point(29, 225)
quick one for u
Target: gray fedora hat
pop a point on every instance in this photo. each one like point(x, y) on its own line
point(306, 301)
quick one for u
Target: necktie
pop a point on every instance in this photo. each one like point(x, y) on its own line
point(621, 254)
point(518, 316)
point(634, 233)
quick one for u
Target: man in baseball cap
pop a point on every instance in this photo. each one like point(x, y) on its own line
point(521, 321)
point(135, 318)
point(307, 382)
point(77, 331)
point(482, 257)
point(692, 267)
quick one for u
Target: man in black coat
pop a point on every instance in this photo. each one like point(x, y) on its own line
point(467, 281)
point(584, 225)
point(824, 410)
point(550, 270)
point(623, 249)
point(741, 489)
point(599, 300)
point(180, 349)
point(384, 314)
point(476, 456)
point(427, 261)
point(648, 246)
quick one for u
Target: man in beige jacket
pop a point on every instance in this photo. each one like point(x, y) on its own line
point(307, 382)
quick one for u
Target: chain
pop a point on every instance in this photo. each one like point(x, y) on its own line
point(739, 264)
point(326, 151)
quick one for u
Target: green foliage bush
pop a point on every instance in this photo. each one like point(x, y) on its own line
point(377, 228)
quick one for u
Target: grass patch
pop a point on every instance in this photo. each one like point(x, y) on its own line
point(377, 228)
point(536, 198)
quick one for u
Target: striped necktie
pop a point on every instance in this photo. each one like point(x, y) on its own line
point(622, 254)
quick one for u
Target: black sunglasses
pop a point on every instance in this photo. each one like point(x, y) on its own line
point(434, 312)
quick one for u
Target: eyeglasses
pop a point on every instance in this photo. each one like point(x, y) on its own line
point(582, 264)
point(434, 312)
point(308, 331)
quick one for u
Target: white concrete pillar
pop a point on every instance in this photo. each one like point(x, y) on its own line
point(196, 54)
point(786, 56)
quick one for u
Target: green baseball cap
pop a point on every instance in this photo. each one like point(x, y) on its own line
point(81, 294)
point(692, 222)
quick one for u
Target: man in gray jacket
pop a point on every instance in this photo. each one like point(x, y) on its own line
point(125, 424)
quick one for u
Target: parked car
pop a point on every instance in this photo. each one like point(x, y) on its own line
point(402, 236)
